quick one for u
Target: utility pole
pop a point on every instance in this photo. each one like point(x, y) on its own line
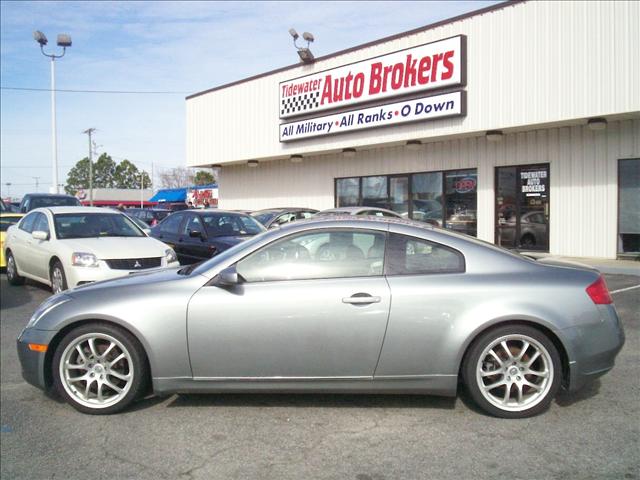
point(89, 132)
point(141, 188)
point(37, 183)
point(8, 184)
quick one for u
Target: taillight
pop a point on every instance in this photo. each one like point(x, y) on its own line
point(599, 293)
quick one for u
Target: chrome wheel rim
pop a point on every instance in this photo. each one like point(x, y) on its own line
point(57, 280)
point(11, 267)
point(514, 373)
point(96, 370)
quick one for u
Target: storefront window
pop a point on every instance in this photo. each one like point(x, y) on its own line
point(348, 192)
point(374, 192)
point(446, 199)
point(461, 201)
point(426, 196)
point(629, 210)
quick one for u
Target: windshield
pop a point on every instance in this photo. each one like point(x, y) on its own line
point(230, 224)
point(264, 217)
point(89, 225)
point(39, 202)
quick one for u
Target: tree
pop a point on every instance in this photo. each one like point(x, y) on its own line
point(127, 175)
point(203, 178)
point(106, 174)
point(177, 178)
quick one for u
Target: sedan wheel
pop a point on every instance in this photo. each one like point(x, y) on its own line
point(12, 271)
point(513, 372)
point(58, 278)
point(99, 368)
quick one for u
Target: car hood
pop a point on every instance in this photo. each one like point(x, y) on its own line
point(117, 247)
point(148, 277)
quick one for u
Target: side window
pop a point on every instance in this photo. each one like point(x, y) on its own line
point(414, 256)
point(171, 224)
point(284, 218)
point(192, 224)
point(332, 254)
point(385, 214)
point(303, 215)
point(27, 222)
point(41, 223)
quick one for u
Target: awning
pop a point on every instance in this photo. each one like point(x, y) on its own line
point(170, 195)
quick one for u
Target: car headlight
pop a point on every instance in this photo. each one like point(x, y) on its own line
point(170, 255)
point(83, 259)
point(46, 307)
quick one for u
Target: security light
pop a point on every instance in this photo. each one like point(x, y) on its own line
point(296, 158)
point(597, 123)
point(40, 37)
point(252, 163)
point(494, 135)
point(414, 145)
point(305, 54)
point(349, 152)
point(64, 40)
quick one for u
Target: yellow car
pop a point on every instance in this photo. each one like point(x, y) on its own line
point(6, 220)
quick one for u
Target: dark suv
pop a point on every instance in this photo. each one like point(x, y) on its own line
point(38, 200)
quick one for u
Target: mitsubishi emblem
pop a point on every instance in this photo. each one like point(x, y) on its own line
point(137, 264)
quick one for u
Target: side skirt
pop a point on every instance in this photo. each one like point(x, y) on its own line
point(444, 385)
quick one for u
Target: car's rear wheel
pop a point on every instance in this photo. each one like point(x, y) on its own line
point(513, 371)
point(99, 369)
point(58, 278)
point(12, 271)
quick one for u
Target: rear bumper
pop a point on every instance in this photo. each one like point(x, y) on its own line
point(595, 347)
point(33, 363)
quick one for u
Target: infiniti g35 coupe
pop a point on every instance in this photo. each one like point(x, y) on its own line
point(332, 304)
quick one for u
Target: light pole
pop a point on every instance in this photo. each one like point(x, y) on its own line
point(64, 41)
point(8, 184)
point(89, 131)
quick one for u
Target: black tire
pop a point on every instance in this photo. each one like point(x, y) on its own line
point(58, 269)
point(475, 376)
point(136, 362)
point(528, 241)
point(12, 271)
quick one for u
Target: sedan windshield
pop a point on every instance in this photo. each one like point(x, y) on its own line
point(88, 225)
point(264, 217)
point(230, 224)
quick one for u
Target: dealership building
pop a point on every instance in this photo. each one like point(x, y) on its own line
point(518, 124)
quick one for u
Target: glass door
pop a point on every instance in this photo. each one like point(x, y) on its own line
point(399, 195)
point(522, 207)
point(629, 206)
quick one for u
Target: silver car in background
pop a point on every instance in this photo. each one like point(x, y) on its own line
point(332, 304)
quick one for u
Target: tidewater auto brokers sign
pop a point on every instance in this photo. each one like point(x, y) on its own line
point(426, 67)
point(425, 108)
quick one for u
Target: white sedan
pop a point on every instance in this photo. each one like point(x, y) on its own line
point(69, 246)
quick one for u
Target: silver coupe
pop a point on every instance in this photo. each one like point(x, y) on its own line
point(377, 305)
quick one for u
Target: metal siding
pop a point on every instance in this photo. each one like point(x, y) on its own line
point(583, 183)
point(533, 63)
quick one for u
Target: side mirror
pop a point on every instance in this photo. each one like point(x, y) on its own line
point(228, 278)
point(195, 233)
point(40, 235)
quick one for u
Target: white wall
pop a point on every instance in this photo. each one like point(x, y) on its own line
point(583, 176)
point(531, 63)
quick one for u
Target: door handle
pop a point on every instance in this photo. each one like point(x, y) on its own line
point(361, 299)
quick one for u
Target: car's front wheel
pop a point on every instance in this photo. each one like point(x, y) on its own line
point(58, 278)
point(513, 371)
point(12, 271)
point(99, 368)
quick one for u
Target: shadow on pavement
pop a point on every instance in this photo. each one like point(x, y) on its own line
point(566, 399)
point(305, 400)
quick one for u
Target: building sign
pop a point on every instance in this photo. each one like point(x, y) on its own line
point(425, 67)
point(201, 197)
point(533, 182)
point(426, 108)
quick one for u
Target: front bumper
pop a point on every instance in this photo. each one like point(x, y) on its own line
point(82, 275)
point(33, 363)
point(595, 347)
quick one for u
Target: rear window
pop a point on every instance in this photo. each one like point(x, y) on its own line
point(39, 202)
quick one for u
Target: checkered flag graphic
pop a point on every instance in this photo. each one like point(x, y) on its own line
point(300, 103)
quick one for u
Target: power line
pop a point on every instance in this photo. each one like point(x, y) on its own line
point(133, 92)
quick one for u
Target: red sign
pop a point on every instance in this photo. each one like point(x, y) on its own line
point(466, 185)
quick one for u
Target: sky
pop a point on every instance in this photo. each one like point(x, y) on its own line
point(174, 47)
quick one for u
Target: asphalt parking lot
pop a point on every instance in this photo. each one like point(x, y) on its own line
point(592, 434)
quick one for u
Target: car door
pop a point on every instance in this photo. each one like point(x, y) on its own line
point(312, 305)
point(38, 251)
point(193, 249)
point(169, 231)
point(18, 243)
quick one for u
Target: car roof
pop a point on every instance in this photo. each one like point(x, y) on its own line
point(63, 210)
point(354, 210)
point(212, 210)
point(49, 195)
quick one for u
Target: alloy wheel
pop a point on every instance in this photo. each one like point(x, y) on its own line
point(514, 373)
point(57, 280)
point(96, 370)
point(11, 267)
